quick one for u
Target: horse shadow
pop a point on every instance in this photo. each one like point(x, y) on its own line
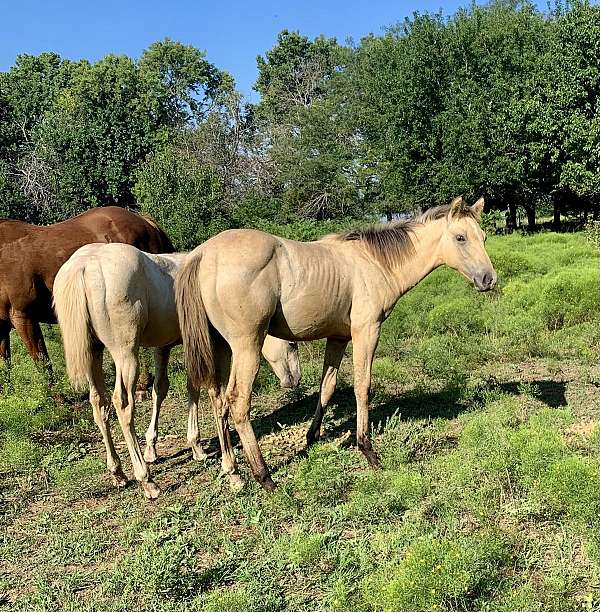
point(417, 404)
point(447, 403)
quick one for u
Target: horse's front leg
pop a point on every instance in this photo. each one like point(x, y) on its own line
point(193, 433)
point(160, 388)
point(364, 343)
point(334, 352)
point(5, 341)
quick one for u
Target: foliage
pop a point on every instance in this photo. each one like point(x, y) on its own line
point(75, 132)
point(183, 196)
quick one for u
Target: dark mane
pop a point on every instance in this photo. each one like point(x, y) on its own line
point(392, 244)
point(389, 244)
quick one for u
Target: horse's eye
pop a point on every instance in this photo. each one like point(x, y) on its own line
point(461, 237)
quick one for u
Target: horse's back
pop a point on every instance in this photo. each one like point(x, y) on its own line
point(116, 224)
point(297, 288)
point(31, 255)
point(131, 293)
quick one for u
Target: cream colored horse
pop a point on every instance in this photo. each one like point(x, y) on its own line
point(243, 284)
point(115, 296)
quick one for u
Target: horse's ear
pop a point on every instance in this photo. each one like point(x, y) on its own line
point(477, 208)
point(456, 206)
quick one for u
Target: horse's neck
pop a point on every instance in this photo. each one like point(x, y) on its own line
point(426, 239)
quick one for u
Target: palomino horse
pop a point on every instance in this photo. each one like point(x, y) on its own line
point(115, 296)
point(243, 284)
point(31, 255)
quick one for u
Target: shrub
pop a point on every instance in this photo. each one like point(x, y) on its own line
point(183, 196)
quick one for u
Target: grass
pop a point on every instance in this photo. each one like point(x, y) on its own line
point(484, 412)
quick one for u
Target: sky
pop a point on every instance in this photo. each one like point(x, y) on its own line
point(231, 33)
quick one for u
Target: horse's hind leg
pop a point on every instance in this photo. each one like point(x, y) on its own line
point(31, 334)
point(159, 392)
point(124, 400)
point(334, 352)
point(144, 380)
point(216, 393)
point(102, 409)
point(193, 433)
point(244, 367)
point(5, 341)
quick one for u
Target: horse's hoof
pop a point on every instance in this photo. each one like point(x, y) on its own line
point(236, 484)
point(150, 454)
point(151, 490)
point(267, 484)
point(198, 453)
point(312, 437)
point(119, 478)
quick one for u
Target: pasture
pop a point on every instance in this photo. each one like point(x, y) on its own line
point(484, 413)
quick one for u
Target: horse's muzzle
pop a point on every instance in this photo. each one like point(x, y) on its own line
point(485, 281)
point(290, 382)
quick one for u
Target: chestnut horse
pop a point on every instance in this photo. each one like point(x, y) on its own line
point(242, 284)
point(31, 255)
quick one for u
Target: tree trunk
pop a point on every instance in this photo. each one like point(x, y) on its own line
point(511, 217)
point(530, 212)
point(556, 220)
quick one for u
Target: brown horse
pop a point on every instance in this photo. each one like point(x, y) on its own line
point(243, 284)
point(31, 255)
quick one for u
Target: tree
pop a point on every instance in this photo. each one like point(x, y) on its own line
point(303, 120)
point(183, 196)
point(80, 138)
point(573, 101)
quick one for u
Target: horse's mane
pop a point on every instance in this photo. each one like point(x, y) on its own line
point(438, 212)
point(387, 243)
point(151, 220)
point(392, 244)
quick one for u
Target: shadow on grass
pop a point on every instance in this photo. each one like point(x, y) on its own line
point(551, 392)
point(447, 403)
point(418, 404)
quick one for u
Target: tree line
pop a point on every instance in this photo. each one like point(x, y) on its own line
point(499, 100)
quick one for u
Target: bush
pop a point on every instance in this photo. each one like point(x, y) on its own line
point(439, 574)
point(184, 197)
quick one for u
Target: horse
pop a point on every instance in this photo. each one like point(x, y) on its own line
point(116, 296)
point(242, 284)
point(31, 255)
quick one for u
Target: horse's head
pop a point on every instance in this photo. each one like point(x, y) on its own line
point(283, 358)
point(463, 244)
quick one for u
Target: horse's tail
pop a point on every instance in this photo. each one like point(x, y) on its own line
point(70, 304)
point(198, 346)
point(166, 246)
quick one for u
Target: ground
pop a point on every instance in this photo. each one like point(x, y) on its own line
point(484, 412)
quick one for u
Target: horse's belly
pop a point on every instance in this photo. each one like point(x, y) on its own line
point(162, 329)
point(307, 321)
